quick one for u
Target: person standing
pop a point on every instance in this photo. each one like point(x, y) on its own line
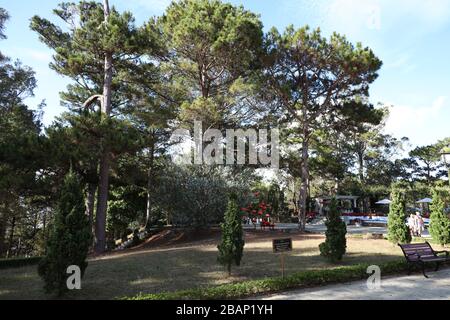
point(411, 224)
point(420, 224)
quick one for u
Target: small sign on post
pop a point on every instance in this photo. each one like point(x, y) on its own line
point(282, 246)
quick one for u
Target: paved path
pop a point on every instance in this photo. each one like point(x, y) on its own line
point(415, 287)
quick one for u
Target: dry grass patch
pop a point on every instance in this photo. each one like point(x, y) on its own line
point(189, 266)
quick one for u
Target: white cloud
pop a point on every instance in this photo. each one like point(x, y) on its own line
point(40, 56)
point(401, 61)
point(354, 17)
point(421, 124)
point(154, 6)
point(28, 55)
point(430, 11)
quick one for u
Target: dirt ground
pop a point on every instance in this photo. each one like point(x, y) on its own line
point(180, 261)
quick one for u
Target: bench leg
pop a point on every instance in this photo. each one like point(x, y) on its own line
point(423, 270)
point(409, 269)
point(438, 264)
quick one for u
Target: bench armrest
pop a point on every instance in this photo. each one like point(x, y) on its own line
point(443, 251)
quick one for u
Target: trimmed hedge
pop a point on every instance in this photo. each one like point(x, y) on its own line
point(19, 262)
point(271, 285)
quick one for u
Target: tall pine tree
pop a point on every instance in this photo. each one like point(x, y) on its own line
point(69, 240)
point(106, 55)
point(231, 248)
point(309, 76)
point(398, 231)
point(21, 152)
point(335, 244)
point(214, 51)
point(440, 222)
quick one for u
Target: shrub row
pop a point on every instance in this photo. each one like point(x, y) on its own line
point(271, 285)
point(19, 262)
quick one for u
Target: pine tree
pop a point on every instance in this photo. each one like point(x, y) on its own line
point(3, 17)
point(398, 231)
point(106, 55)
point(341, 72)
point(232, 246)
point(69, 240)
point(335, 244)
point(440, 222)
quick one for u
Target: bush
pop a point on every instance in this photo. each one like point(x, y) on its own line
point(440, 223)
point(232, 245)
point(335, 244)
point(69, 239)
point(271, 285)
point(195, 196)
point(19, 262)
point(398, 231)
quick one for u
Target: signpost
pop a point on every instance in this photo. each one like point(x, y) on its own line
point(282, 246)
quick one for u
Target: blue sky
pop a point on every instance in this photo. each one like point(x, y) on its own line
point(412, 37)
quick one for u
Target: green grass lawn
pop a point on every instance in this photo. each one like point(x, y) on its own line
point(185, 267)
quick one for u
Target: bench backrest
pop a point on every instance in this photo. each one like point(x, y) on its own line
point(413, 250)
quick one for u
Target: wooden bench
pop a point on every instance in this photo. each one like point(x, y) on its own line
point(422, 253)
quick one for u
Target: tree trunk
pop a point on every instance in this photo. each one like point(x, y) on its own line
point(148, 214)
point(103, 188)
point(448, 174)
point(44, 222)
point(150, 180)
point(361, 168)
point(2, 235)
point(102, 205)
point(303, 197)
point(11, 237)
point(362, 179)
point(90, 203)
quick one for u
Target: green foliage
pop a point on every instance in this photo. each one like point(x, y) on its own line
point(82, 48)
point(69, 240)
point(346, 68)
point(126, 205)
point(398, 231)
point(196, 196)
point(335, 244)
point(19, 262)
point(277, 203)
point(227, 37)
point(308, 77)
point(3, 17)
point(440, 221)
point(20, 147)
point(214, 51)
point(231, 247)
point(80, 51)
point(17, 82)
point(21, 154)
point(304, 279)
point(426, 163)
